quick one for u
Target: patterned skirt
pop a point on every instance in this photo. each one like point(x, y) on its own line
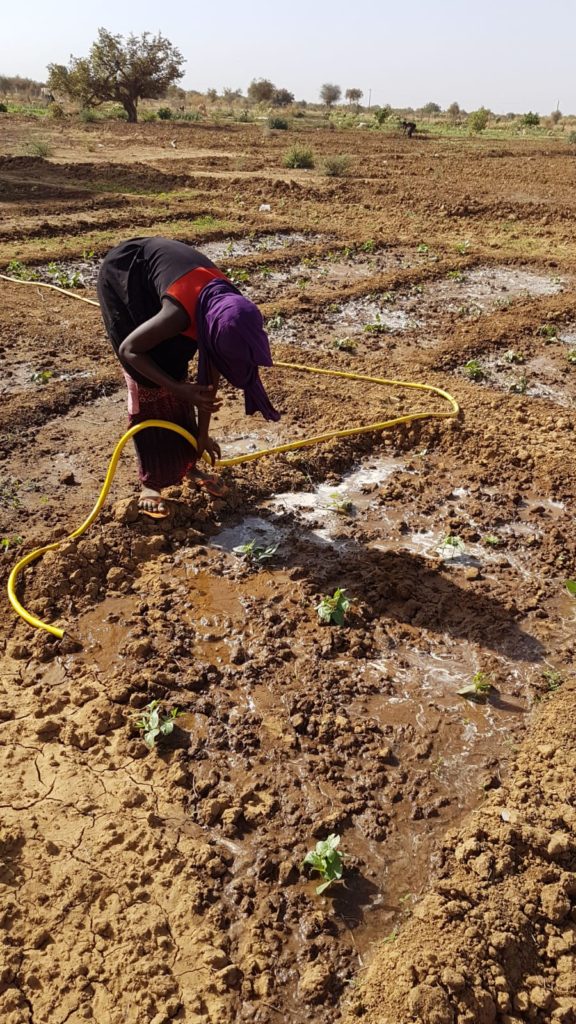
point(163, 456)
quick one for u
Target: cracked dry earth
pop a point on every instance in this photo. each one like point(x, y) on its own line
point(145, 886)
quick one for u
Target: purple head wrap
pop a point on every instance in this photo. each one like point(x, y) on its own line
point(231, 337)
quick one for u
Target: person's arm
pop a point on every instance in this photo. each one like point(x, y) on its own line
point(171, 320)
point(205, 442)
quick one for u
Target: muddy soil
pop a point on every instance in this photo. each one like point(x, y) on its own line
point(168, 884)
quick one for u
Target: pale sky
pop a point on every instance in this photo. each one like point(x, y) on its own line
point(509, 55)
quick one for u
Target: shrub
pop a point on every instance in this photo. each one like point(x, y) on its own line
point(382, 114)
point(117, 113)
point(297, 157)
point(280, 124)
point(245, 117)
point(531, 120)
point(39, 148)
point(572, 138)
point(336, 166)
point(3, 108)
point(478, 120)
point(88, 116)
point(164, 113)
point(148, 116)
point(556, 116)
point(190, 115)
point(56, 112)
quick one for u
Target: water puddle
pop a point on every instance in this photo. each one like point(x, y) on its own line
point(229, 248)
point(548, 375)
point(27, 377)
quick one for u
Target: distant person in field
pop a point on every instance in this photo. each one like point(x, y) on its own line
point(163, 302)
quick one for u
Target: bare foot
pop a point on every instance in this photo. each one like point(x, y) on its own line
point(151, 502)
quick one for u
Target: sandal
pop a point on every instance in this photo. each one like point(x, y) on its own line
point(160, 513)
point(212, 484)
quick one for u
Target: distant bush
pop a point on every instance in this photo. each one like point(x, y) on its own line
point(245, 117)
point(382, 114)
point(297, 157)
point(3, 108)
point(190, 115)
point(164, 113)
point(56, 112)
point(478, 120)
point(117, 113)
point(280, 124)
point(148, 116)
point(336, 166)
point(299, 113)
point(556, 116)
point(87, 115)
point(531, 120)
point(572, 138)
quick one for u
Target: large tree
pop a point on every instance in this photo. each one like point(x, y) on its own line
point(261, 90)
point(125, 71)
point(330, 94)
point(354, 96)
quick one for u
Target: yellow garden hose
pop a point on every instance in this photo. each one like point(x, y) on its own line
point(236, 460)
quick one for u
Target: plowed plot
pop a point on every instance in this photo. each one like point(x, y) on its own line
point(168, 884)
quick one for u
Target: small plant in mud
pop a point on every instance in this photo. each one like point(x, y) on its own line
point(41, 377)
point(340, 504)
point(265, 271)
point(62, 278)
point(553, 678)
point(154, 725)
point(345, 345)
point(88, 254)
point(520, 386)
point(423, 249)
point(451, 543)
point(369, 246)
point(463, 247)
point(327, 860)
point(478, 689)
point(492, 540)
point(256, 554)
point(515, 358)
point(9, 542)
point(570, 587)
point(333, 610)
point(377, 326)
point(19, 270)
point(456, 275)
point(547, 331)
point(473, 370)
point(237, 275)
point(571, 355)
point(276, 322)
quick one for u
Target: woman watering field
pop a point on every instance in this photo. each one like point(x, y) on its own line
point(162, 303)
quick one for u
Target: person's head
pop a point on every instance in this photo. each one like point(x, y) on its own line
point(234, 340)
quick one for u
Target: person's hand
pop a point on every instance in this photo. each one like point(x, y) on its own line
point(202, 396)
point(211, 447)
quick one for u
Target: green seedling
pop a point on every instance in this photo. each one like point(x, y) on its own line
point(88, 254)
point(520, 387)
point(238, 275)
point(377, 326)
point(327, 860)
point(340, 504)
point(19, 270)
point(516, 358)
point(548, 331)
point(463, 247)
point(345, 345)
point(265, 271)
point(478, 689)
point(455, 275)
point(276, 322)
point(62, 278)
point(570, 587)
point(473, 370)
point(423, 249)
point(452, 544)
point(571, 355)
point(255, 553)
point(9, 542)
point(154, 725)
point(369, 246)
point(553, 678)
point(492, 540)
point(333, 610)
point(41, 376)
